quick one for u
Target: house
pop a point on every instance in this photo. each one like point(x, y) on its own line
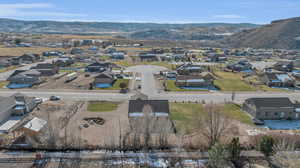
point(46, 69)
point(34, 126)
point(148, 57)
point(53, 54)
point(104, 80)
point(28, 58)
point(150, 115)
point(189, 69)
point(98, 67)
point(285, 66)
point(76, 51)
point(203, 80)
point(159, 107)
point(216, 58)
point(16, 105)
point(241, 66)
point(64, 61)
point(4, 63)
point(275, 79)
point(271, 108)
point(22, 81)
point(118, 55)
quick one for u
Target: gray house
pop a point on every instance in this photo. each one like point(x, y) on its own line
point(271, 108)
point(15, 105)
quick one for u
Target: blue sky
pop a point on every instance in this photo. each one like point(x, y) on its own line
point(160, 11)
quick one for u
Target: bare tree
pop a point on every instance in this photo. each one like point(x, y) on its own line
point(147, 125)
point(213, 125)
point(285, 155)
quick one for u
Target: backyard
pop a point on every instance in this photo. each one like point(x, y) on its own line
point(102, 106)
point(184, 115)
point(229, 81)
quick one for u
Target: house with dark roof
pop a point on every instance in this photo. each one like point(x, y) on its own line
point(148, 57)
point(271, 108)
point(284, 66)
point(189, 69)
point(98, 67)
point(76, 51)
point(278, 79)
point(24, 79)
point(203, 80)
point(118, 55)
point(159, 107)
point(241, 66)
point(64, 61)
point(46, 69)
point(104, 80)
point(150, 116)
point(28, 58)
point(15, 105)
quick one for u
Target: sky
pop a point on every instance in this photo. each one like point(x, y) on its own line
point(157, 11)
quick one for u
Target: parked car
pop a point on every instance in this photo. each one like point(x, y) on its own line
point(38, 100)
point(54, 98)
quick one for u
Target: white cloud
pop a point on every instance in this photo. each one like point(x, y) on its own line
point(26, 6)
point(231, 16)
point(32, 9)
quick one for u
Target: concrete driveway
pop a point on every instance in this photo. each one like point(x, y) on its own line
point(148, 81)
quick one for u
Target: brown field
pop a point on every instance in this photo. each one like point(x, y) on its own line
point(4, 51)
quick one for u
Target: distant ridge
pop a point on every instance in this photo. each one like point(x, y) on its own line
point(281, 34)
point(76, 27)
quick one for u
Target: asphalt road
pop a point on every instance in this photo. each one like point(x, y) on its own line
point(149, 88)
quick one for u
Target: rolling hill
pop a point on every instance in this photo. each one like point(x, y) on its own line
point(134, 30)
point(281, 34)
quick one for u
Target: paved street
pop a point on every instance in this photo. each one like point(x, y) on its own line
point(149, 87)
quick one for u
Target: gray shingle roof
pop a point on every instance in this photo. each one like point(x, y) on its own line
point(161, 106)
point(275, 102)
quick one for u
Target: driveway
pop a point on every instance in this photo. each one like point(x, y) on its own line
point(148, 81)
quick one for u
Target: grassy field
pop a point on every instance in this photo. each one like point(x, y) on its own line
point(157, 63)
point(269, 89)
point(229, 81)
point(3, 84)
point(184, 115)
point(173, 88)
point(102, 106)
point(116, 85)
point(79, 65)
point(8, 68)
point(18, 51)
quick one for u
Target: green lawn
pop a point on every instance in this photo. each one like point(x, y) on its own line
point(269, 89)
point(185, 114)
point(79, 65)
point(116, 85)
point(102, 106)
point(229, 81)
point(3, 84)
point(8, 68)
point(163, 64)
point(173, 88)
